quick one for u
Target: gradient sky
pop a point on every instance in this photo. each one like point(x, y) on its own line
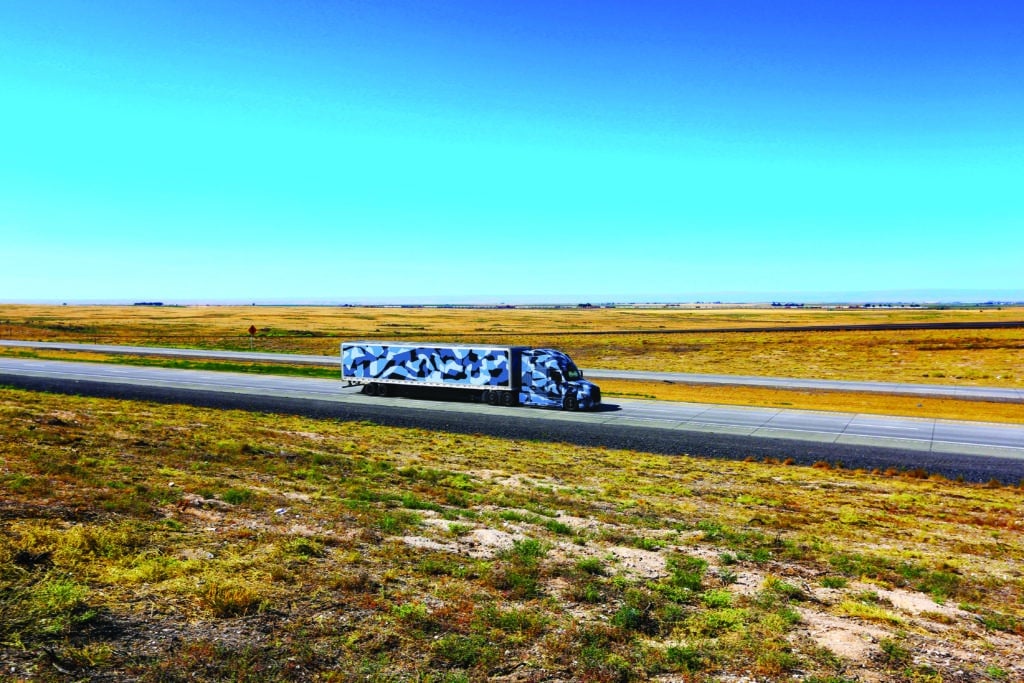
point(205, 150)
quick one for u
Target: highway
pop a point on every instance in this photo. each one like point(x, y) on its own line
point(978, 451)
point(1002, 394)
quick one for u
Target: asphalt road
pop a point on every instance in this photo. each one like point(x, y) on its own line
point(1001, 394)
point(976, 451)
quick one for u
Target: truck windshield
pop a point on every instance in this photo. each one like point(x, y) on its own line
point(572, 372)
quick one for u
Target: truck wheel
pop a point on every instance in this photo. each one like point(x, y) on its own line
point(367, 389)
point(571, 403)
point(506, 398)
point(383, 390)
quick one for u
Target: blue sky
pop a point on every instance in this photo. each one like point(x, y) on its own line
point(366, 151)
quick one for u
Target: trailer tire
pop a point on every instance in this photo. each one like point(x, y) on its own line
point(383, 390)
point(570, 403)
point(367, 389)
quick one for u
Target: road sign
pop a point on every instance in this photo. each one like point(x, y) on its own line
point(252, 330)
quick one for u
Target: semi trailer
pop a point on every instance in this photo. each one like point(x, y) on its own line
point(498, 375)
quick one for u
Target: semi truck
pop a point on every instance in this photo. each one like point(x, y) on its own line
point(498, 375)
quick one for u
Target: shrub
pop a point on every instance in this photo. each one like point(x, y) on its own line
point(686, 572)
point(644, 543)
point(414, 614)
point(894, 653)
point(776, 662)
point(687, 659)
point(395, 522)
point(305, 548)
point(231, 598)
point(629, 618)
point(716, 597)
point(940, 585)
point(556, 527)
point(466, 651)
point(412, 502)
point(715, 622)
point(58, 605)
point(236, 496)
point(1002, 622)
point(522, 583)
point(591, 565)
point(522, 621)
point(869, 612)
point(527, 551)
point(459, 530)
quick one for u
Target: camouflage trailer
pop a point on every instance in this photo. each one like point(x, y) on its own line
point(499, 375)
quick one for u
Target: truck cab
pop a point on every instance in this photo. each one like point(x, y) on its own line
point(550, 378)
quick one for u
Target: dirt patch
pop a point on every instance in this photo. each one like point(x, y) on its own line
point(916, 603)
point(647, 563)
point(429, 544)
point(485, 543)
point(849, 639)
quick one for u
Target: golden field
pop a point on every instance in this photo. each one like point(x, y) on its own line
point(668, 339)
point(628, 339)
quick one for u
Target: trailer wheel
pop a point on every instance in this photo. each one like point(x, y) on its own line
point(570, 403)
point(383, 390)
point(367, 389)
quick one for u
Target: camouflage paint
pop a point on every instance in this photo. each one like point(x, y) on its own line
point(442, 365)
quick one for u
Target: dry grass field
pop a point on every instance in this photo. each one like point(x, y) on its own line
point(170, 543)
point(363, 321)
point(635, 339)
point(628, 339)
